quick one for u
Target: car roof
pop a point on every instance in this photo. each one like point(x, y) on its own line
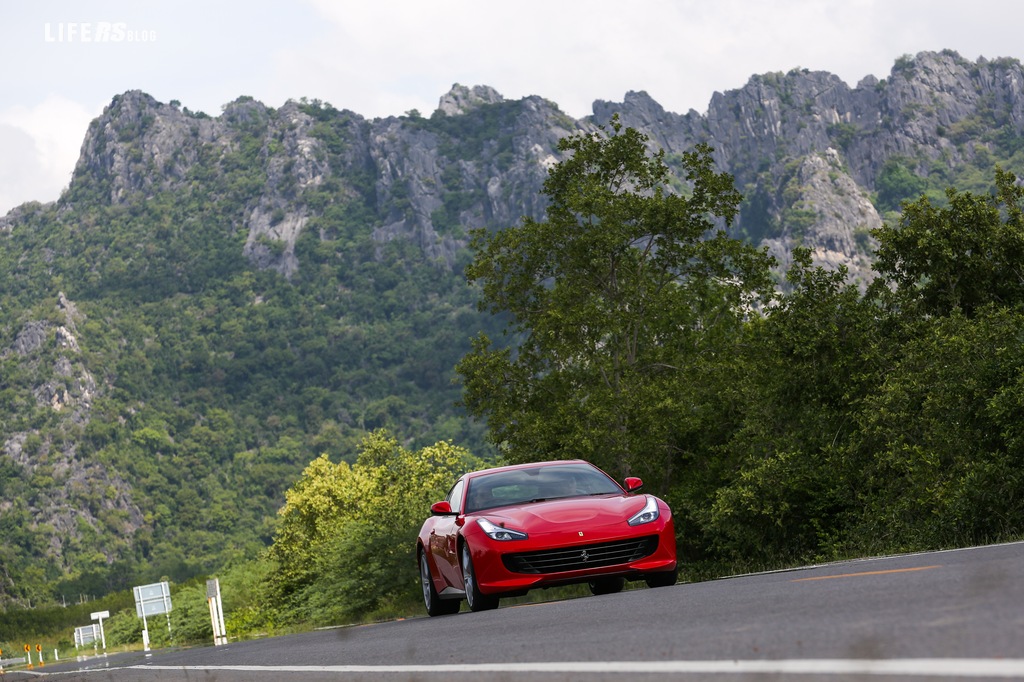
point(529, 465)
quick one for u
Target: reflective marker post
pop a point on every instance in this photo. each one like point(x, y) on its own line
point(213, 600)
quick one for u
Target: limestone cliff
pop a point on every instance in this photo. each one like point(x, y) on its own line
point(479, 160)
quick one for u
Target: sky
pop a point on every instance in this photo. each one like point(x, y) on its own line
point(62, 61)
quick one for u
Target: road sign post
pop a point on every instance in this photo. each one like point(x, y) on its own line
point(152, 600)
point(100, 615)
point(87, 634)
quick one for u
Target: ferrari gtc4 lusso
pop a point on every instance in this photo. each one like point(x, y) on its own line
point(502, 532)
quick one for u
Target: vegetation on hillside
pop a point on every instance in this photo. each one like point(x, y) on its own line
point(215, 383)
point(818, 423)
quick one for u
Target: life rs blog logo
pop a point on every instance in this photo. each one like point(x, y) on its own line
point(95, 32)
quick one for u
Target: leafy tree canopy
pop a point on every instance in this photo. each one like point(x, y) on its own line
point(960, 257)
point(614, 296)
point(344, 544)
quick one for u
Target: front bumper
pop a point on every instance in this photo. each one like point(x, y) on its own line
point(567, 557)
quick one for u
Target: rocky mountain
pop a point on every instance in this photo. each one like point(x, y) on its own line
point(806, 149)
point(809, 152)
point(479, 160)
point(216, 300)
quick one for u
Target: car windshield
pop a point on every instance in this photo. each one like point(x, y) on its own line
point(535, 484)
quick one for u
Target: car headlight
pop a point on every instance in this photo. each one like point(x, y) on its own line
point(646, 515)
point(499, 533)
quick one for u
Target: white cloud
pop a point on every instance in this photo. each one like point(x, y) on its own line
point(41, 146)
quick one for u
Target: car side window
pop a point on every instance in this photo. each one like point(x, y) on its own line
point(455, 495)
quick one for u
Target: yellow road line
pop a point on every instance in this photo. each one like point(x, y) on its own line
point(857, 575)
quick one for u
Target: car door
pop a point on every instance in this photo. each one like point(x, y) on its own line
point(444, 539)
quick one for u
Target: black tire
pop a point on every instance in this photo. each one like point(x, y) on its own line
point(666, 579)
point(607, 585)
point(435, 605)
point(477, 600)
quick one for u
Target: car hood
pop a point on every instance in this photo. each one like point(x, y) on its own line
point(572, 511)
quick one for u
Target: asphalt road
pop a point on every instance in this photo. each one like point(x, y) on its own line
point(945, 615)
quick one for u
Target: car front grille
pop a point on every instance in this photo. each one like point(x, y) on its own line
point(581, 557)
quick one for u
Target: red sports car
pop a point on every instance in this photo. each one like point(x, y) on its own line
point(504, 531)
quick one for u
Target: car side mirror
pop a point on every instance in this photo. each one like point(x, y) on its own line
point(633, 484)
point(442, 508)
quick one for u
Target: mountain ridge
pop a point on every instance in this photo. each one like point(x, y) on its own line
point(774, 116)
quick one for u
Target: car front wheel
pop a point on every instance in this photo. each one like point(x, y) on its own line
point(435, 605)
point(474, 597)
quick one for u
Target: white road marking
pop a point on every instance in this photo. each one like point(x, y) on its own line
point(938, 667)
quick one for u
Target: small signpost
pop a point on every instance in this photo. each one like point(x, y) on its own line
point(87, 634)
point(151, 600)
point(100, 615)
point(220, 635)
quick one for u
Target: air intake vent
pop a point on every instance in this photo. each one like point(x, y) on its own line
point(581, 557)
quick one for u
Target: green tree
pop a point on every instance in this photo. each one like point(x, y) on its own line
point(933, 458)
point(344, 549)
point(614, 300)
point(961, 257)
point(897, 183)
point(938, 440)
point(800, 375)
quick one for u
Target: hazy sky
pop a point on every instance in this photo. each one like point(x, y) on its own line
point(63, 60)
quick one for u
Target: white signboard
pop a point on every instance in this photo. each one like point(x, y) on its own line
point(87, 634)
point(151, 600)
point(100, 615)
